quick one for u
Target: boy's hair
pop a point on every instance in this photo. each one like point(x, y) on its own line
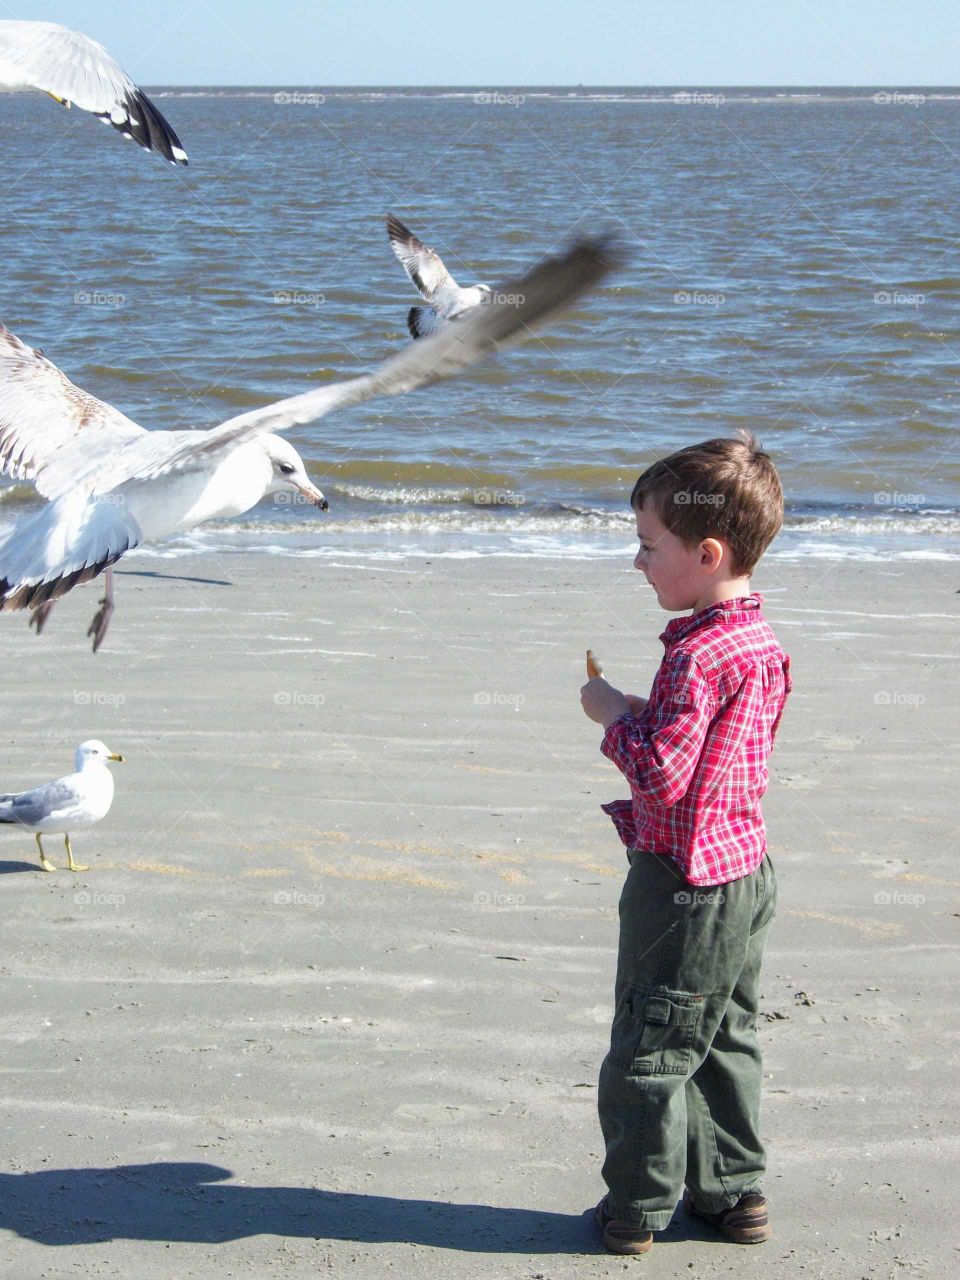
point(725, 488)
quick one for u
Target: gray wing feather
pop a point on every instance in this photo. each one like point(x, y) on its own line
point(30, 807)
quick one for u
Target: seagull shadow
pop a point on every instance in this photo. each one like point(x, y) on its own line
point(172, 577)
point(191, 1203)
point(7, 868)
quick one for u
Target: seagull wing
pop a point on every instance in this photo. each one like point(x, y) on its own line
point(51, 431)
point(76, 70)
point(554, 283)
point(51, 800)
point(424, 266)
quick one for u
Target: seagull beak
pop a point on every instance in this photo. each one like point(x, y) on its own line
point(313, 494)
point(116, 756)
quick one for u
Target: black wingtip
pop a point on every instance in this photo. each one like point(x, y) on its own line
point(148, 127)
point(396, 230)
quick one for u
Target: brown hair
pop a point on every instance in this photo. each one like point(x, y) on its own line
point(725, 488)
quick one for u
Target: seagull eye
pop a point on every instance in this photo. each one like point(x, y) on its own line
point(287, 469)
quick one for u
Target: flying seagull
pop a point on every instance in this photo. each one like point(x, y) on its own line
point(111, 485)
point(76, 71)
point(78, 800)
point(445, 299)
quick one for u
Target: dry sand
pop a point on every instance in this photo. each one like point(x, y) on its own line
point(333, 996)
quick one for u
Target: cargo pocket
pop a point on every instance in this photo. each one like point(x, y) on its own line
point(656, 1031)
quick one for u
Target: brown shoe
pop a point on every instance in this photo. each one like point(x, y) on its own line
point(621, 1237)
point(744, 1222)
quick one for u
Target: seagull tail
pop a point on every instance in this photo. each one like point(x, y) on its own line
point(61, 546)
point(422, 321)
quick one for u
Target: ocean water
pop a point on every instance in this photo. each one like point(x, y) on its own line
point(792, 268)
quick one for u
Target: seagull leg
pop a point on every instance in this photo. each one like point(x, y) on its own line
point(74, 866)
point(47, 866)
point(38, 617)
point(101, 619)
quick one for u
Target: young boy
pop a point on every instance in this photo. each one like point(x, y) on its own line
point(679, 1092)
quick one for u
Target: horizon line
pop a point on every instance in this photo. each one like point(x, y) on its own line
point(486, 84)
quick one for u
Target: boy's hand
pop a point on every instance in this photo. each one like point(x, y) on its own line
point(636, 703)
point(602, 702)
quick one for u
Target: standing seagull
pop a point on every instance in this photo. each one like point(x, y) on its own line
point(112, 486)
point(78, 800)
point(76, 71)
point(444, 297)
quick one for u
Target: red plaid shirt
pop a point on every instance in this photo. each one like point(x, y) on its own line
point(696, 756)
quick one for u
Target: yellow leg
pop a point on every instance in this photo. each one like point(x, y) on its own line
point(74, 866)
point(47, 866)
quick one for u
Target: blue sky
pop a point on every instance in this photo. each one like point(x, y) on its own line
point(522, 42)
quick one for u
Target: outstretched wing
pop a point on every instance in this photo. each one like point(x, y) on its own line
point(423, 265)
point(515, 308)
point(47, 425)
point(78, 71)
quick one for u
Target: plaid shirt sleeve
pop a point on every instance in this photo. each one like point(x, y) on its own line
point(658, 751)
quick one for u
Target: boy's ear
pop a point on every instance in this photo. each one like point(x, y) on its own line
point(711, 554)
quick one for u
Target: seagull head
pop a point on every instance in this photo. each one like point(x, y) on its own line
point(288, 472)
point(93, 751)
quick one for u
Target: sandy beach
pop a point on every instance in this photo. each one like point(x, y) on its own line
point(333, 995)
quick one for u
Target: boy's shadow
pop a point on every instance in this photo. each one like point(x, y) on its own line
point(188, 1203)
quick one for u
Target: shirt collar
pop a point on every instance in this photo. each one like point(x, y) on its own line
point(737, 611)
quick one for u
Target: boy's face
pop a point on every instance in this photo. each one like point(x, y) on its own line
point(673, 567)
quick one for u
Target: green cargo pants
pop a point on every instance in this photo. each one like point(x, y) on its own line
point(679, 1093)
